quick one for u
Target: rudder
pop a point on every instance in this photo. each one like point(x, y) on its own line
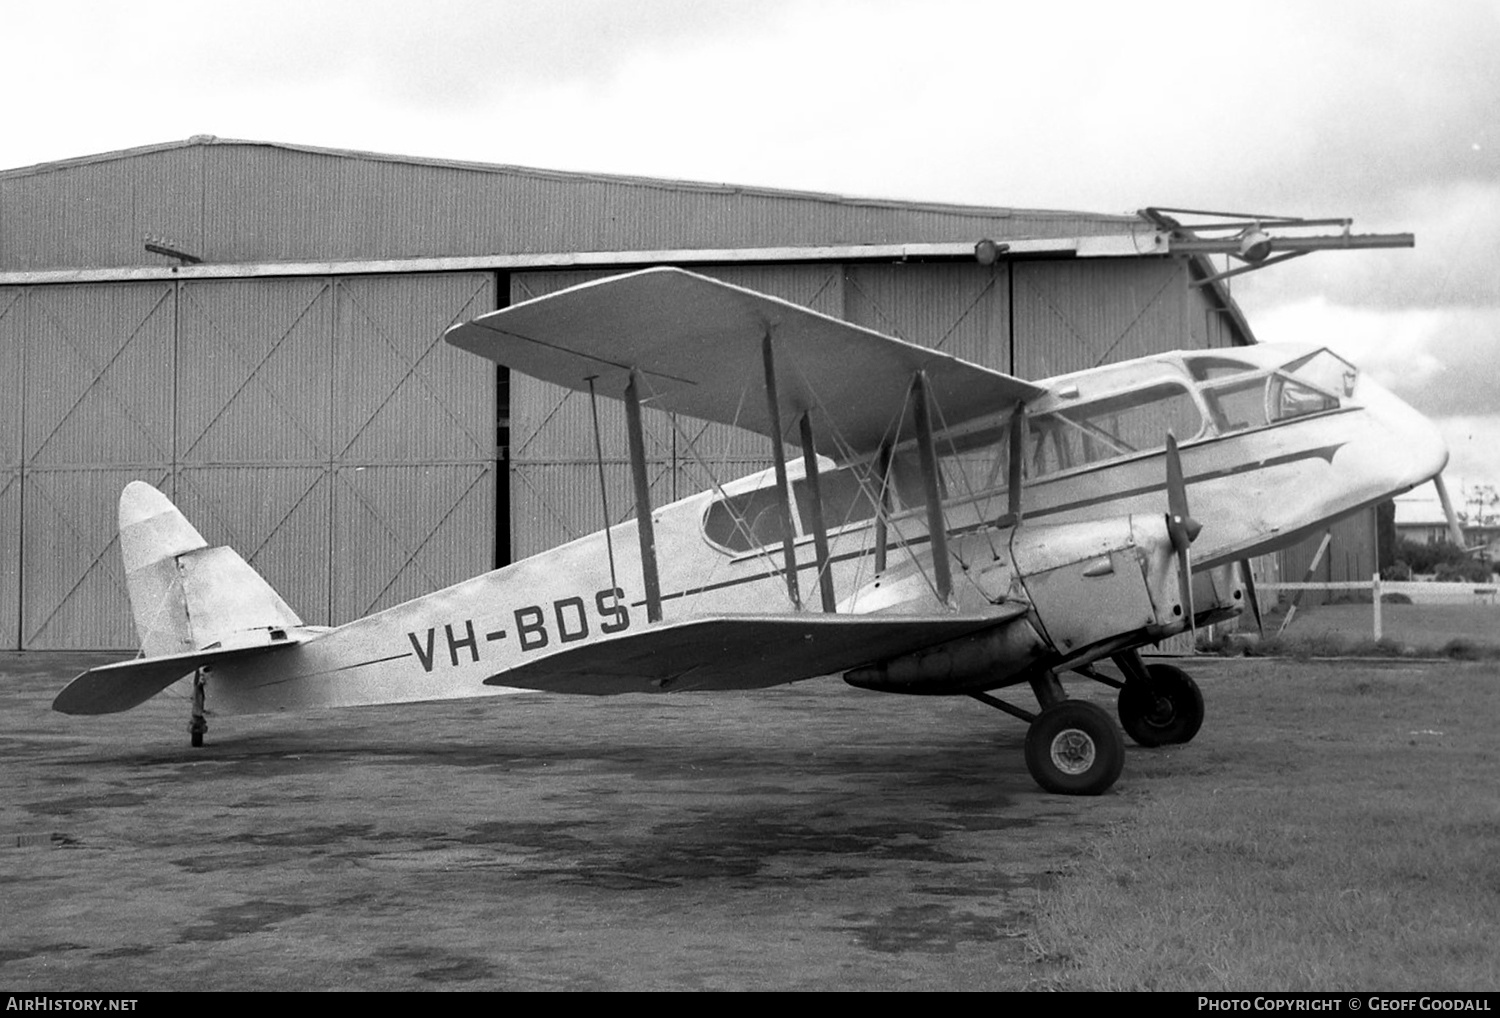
point(186, 596)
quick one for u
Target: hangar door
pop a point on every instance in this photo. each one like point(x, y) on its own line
point(318, 425)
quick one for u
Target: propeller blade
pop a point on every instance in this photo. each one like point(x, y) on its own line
point(1250, 593)
point(1177, 504)
point(1182, 529)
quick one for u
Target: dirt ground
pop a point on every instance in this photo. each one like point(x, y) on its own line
point(814, 836)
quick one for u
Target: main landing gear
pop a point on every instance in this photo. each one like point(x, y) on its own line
point(1073, 746)
point(1160, 705)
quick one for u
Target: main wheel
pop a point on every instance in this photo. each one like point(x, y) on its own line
point(1167, 710)
point(1074, 748)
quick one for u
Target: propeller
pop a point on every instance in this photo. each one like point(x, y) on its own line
point(1182, 529)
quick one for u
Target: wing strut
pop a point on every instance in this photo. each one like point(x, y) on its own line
point(937, 530)
point(783, 502)
point(609, 541)
point(1017, 454)
point(644, 527)
point(883, 511)
point(820, 525)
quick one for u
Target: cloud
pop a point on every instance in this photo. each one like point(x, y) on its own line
point(1474, 450)
point(1443, 361)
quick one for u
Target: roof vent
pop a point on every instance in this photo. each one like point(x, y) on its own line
point(202, 139)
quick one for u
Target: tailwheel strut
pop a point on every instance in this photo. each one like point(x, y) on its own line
point(199, 723)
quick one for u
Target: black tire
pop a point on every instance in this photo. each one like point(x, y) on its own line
point(1167, 711)
point(1074, 748)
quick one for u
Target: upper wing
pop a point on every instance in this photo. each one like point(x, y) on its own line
point(697, 345)
point(742, 651)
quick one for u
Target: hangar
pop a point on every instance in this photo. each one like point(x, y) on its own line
point(256, 329)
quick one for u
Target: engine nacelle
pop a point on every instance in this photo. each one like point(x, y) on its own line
point(970, 663)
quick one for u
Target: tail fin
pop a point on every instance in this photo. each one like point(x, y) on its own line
point(186, 596)
point(193, 605)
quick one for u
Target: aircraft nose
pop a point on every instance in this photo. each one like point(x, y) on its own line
point(1410, 449)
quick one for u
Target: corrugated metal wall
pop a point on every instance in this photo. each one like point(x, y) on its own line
point(1350, 556)
point(1072, 315)
point(319, 426)
point(252, 202)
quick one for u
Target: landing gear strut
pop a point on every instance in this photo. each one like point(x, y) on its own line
point(1072, 746)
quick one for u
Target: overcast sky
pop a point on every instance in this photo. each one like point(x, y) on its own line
point(1384, 111)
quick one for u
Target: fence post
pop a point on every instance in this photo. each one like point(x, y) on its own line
point(1375, 591)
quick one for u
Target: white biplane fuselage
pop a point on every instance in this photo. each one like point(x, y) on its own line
point(1080, 564)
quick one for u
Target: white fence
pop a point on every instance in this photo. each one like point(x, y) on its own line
point(1417, 591)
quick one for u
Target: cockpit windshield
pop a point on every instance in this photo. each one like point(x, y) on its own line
point(1241, 396)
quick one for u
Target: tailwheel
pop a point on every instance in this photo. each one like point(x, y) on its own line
point(1165, 707)
point(1074, 748)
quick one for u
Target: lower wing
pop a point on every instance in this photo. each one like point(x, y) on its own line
point(742, 651)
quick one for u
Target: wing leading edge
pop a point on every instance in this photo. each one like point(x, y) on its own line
point(697, 345)
point(743, 651)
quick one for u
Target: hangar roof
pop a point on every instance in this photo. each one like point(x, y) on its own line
point(229, 201)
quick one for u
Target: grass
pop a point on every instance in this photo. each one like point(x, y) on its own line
point(1333, 828)
point(1328, 643)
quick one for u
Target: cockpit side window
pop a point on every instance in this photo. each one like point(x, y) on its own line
point(745, 521)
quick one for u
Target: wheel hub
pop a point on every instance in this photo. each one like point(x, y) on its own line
point(1072, 751)
point(1163, 711)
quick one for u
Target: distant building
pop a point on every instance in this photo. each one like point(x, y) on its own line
point(1421, 521)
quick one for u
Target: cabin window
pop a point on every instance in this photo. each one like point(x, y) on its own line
point(745, 521)
point(1214, 369)
point(976, 463)
point(849, 496)
point(1123, 425)
point(972, 465)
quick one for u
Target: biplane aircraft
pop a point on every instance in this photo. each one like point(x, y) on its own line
point(945, 530)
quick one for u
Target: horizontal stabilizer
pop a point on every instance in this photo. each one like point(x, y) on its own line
point(697, 342)
point(117, 687)
point(742, 651)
